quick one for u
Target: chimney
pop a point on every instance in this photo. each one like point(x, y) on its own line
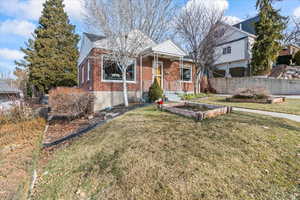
point(241, 26)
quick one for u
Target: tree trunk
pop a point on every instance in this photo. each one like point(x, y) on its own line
point(125, 95)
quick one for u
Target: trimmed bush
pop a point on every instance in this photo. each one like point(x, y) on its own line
point(252, 93)
point(155, 91)
point(75, 103)
point(297, 58)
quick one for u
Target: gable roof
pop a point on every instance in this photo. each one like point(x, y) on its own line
point(168, 47)
point(93, 37)
point(248, 25)
point(5, 88)
point(90, 41)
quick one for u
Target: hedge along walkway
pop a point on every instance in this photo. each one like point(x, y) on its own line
point(273, 114)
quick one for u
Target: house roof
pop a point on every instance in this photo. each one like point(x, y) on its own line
point(93, 37)
point(248, 25)
point(90, 41)
point(167, 47)
point(5, 88)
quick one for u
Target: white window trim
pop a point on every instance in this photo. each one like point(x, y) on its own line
point(185, 66)
point(88, 70)
point(116, 81)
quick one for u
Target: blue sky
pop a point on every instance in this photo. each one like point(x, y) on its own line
point(18, 19)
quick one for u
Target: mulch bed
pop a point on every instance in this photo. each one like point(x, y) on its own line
point(61, 130)
point(270, 100)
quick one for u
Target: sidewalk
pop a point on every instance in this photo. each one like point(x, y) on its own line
point(273, 114)
point(286, 96)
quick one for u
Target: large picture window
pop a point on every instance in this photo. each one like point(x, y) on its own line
point(111, 71)
point(186, 73)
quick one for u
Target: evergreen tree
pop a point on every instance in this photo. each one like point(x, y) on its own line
point(269, 30)
point(51, 57)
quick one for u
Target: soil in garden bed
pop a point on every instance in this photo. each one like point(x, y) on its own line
point(193, 108)
point(59, 129)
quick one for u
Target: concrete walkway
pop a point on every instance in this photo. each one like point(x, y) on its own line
point(286, 96)
point(273, 114)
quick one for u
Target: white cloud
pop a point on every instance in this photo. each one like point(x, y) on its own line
point(231, 20)
point(10, 54)
point(217, 4)
point(17, 27)
point(31, 9)
point(297, 12)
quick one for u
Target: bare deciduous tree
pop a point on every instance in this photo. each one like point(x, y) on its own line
point(201, 29)
point(128, 25)
point(292, 34)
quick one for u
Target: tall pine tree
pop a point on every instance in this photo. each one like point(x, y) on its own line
point(269, 30)
point(51, 57)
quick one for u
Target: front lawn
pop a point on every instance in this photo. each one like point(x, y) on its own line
point(291, 106)
point(19, 147)
point(148, 154)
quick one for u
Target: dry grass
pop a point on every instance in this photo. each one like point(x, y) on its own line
point(148, 154)
point(18, 147)
point(291, 106)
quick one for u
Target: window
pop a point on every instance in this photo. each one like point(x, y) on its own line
point(111, 71)
point(186, 73)
point(88, 70)
point(226, 50)
point(229, 50)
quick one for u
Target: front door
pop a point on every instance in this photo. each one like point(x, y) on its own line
point(158, 73)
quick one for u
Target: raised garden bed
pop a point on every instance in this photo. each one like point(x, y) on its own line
point(270, 100)
point(196, 111)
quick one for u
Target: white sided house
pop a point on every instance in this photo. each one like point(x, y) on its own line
point(234, 53)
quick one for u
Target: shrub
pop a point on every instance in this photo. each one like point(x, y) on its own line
point(155, 91)
point(18, 112)
point(252, 93)
point(297, 58)
point(73, 102)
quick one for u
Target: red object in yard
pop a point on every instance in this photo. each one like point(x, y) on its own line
point(160, 102)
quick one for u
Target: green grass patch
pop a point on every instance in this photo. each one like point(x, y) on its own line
point(291, 106)
point(194, 96)
point(148, 154)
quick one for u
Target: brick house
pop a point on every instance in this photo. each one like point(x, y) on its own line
point(165, 61)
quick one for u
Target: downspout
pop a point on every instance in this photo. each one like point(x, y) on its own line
point(141, 76)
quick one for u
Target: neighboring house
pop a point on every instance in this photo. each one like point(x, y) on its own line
point(8, 91)
point(234, 53)
point(165, 61)
point(9, 95)
point(289, 50)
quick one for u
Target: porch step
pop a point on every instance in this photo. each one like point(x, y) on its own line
point(172, 97)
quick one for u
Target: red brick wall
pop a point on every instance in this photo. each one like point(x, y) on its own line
point(171, 73)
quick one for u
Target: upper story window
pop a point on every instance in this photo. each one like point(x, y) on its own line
point(226, 50)
point(112, 72)
point(186, 73)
